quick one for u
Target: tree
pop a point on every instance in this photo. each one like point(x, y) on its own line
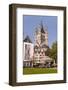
point(52, 52)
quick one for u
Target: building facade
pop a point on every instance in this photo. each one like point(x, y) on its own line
point(35, 54)
point(41, 46)
point(28, 53)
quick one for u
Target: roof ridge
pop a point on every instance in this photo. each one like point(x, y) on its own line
point(27, 39)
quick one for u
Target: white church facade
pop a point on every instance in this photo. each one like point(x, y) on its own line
point(28, 52)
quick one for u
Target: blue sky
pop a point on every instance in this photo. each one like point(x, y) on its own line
point(31, 22)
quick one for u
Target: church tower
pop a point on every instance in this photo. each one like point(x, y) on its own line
point(41, 44)
point(41, 35)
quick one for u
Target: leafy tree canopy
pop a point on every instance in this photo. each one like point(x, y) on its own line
point(52, 52)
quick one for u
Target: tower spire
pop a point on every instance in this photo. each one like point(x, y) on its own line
point(42, 28)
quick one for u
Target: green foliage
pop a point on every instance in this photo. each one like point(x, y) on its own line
point(52, 52)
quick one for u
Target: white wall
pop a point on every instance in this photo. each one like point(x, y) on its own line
point(4, 47)
point(31, 49)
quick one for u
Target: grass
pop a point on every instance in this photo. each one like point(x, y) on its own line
point(27, 71)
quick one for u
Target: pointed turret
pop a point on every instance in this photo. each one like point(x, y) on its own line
point(27, 39)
